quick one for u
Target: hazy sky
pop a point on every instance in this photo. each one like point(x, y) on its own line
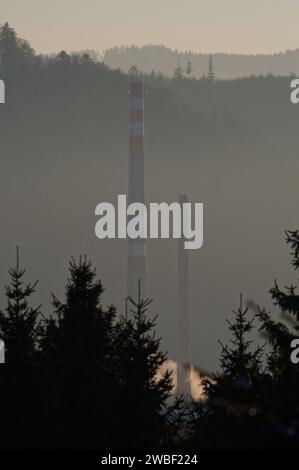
point(245, 26)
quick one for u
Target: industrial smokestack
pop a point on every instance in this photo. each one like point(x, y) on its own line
point(184, 353)
point(136, 248)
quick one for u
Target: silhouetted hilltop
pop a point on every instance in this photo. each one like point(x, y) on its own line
point(165, 60)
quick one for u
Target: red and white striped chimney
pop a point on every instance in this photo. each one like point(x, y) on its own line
point(136, 248)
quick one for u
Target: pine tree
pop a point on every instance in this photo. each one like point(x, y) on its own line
point(178, 72)
point(281, 409)
point(19, 329)
point(86, 59)
point(19, 322)
point(77, 354)
point(63, 58)
point(240, 366)
point(145, 415)
point(9, 50)
point(27, 53)
point(288, 300)
point(228, 417)
point(189, 69)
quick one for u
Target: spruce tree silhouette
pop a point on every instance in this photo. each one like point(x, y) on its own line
point(19, 329)
point(288, 300)
point(9, 50)
point(229, 417)
point(86, 59)
point(178, 73)
point(77, 354)
point(282, 405)
point(101, 383)
point(63, 58)
point(145, 415)
point(189, 69)
point(19, 322)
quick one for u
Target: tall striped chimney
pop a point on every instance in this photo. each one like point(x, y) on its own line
point(136, 248)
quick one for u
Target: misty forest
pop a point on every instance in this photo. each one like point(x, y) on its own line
point(85, 369)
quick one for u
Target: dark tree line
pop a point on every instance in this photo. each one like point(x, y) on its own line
point(253, 402)
point(86, 91)
point(87, 378)
point(159, 57)
point(81, 378)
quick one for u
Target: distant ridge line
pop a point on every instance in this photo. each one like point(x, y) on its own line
point(161, 59)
